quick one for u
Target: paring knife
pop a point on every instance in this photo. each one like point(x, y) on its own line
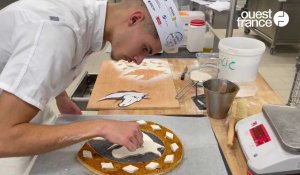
point(183, 73)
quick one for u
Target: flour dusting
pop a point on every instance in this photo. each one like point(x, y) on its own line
point(149, 70)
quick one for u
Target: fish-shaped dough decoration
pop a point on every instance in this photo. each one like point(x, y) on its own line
point(127, 97)
point(149, 146)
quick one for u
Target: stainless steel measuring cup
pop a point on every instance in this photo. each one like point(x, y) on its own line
point(204, 72)
point(219, 95)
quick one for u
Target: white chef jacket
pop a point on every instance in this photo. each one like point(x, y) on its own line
point(43, 45)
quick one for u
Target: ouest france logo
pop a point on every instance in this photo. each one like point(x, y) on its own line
point(263, 19)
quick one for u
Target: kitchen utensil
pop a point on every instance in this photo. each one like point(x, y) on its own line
point(271, 140)
point(182, 77)
point(239, 111)
point(231, 124)
point(219, 95)
point(197, 76)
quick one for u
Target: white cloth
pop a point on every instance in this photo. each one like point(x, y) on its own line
point(43, 45)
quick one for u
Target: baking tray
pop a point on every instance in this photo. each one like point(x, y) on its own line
point(201, 152)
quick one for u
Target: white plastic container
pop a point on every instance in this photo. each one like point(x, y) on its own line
point(195, 37)
point(186, 17)
point(239, 58)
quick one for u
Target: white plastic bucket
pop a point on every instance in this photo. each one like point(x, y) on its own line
point(239, 58)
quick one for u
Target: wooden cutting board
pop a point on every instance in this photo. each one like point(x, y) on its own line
point(153, 77)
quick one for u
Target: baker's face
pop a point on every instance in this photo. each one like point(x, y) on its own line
point(133, 43)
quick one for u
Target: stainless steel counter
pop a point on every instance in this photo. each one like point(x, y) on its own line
point(201, 152)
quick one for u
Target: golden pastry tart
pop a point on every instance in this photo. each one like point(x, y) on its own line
point(96, 154)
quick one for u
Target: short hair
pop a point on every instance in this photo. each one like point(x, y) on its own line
point(148, 24)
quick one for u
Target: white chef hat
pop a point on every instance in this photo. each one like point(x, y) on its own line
point(167, 22)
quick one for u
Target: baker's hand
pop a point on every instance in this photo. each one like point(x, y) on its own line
point(66, 106)
point(127, 134)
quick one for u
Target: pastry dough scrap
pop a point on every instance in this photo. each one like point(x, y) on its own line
point(87, 154)
point(169, 158)
point(152, 166)
point(155, 127)
point(130, 169)
point(174, 147)
point(107, 165)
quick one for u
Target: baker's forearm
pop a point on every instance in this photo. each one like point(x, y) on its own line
point(29, 139)
point(18, 137)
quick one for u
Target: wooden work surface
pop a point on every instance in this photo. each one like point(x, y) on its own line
point(152, 83)
point(187, 106)
point(234, 156)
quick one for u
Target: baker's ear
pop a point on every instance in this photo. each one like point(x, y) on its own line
point(136, 17)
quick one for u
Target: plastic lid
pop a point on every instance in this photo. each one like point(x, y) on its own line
point(183, 13)
point(241, 46)
point(197, 22)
